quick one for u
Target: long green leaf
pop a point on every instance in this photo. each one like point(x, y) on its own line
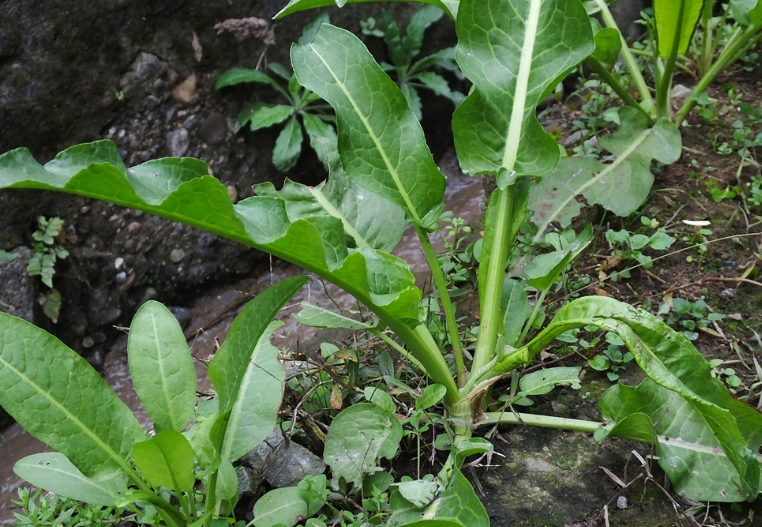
point(512, 51)
point(53, 472)
point(50, 390)
point(161, 367)
point(317, 317)
point(621, 186)
point(684, 443)
point(166, 460)
point(670, 361)
point(381, 143)
point(255, 411)
point(675, 22)
point(230, 365)
point(294, 6)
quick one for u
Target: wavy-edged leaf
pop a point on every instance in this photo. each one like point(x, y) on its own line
point(49, 389)
point(685, 445)
point(675, 22)
point(671, 361)
point(255, 411)
point(230, 366)
point(358, 437)
point(317, 317)
point(381, 143)
point(288, 145)
point(53, 472)
point(419, 23)
point(439, 85)
point(181, 190)
point(621, 186)
point(294, 6)
point(513, 51)
point(161, 367)
point(266, 116)
point(166, 460)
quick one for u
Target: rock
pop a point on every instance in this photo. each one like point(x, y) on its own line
point(248, 482)
point(621, 503)
point(284, 463)
point(233, 193)
point(182, 314)
point(177, 255)
point(17, 289)
point(214, 129)
point(727, 293)
point(185, 92)
point(178, 142)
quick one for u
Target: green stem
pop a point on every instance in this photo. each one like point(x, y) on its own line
point(628, 57)
point(449, 311)
point(493, 286)
point(738, 42)
point(402, 351)
point(609, 79)
point(210, 498)
point(707, 43)
point(546, 421)
point(664, 74)
point(531, 319)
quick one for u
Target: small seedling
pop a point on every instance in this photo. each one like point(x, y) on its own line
point(316, 117)
point(686, 316)
point(726, 375)
point(634, 244)
point(45, 253)
point(612, 360)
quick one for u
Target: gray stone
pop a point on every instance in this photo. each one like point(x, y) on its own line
point(248, 482)
point(284, 463)
point(182, 314)
point(214, 129)
point(178, 142)
point(17, 289)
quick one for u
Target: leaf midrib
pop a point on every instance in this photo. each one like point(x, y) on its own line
point(372, 134)
point(87, 431)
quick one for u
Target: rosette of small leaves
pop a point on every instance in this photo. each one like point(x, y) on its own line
point(410, 74)
point(316, 115)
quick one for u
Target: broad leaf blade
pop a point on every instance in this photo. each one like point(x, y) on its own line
point(358, 437)
point(512, 51)
point(621, 186)
point(49, 389)
point(282, 507)
point(53, 472)
point(288, 145)
point(459, 503)
point(675, 22)
point(543, 381)
point(161, 367)
point(166, 460)
point(381, 143)
point(255, 411)
point(230, 364)
point(294, 6)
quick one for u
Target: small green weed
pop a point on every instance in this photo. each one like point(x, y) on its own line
point(726, 375)
point(633, 245)
point(612, 360)
point(315, 113)
point(45, 252)
point(687, 317)
point(42, 510)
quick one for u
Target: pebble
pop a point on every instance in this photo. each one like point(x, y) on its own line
point(118, 263)
point(233, 193)
point(182, 314)
point(178, 142)
point(176, 255)
point(727, 293)
point(120, 277)
point(621, 502)
point(185, 92)
point(214, 128)
point(133, 228)
point(88, 342)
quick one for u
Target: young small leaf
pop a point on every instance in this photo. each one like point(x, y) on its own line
point(266, 116)
point(166, 460)
point(161, 367)
point(288, 145)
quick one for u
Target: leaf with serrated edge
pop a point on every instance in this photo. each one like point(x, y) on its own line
point(161, 367)
point(294, 6)
point(49, 389)
point(381, 143)
point(53, 472)
point(358, 437)
point(621, 186)
point(255, 411)
point(512, 51)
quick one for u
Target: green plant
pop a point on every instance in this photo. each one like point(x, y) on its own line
point(301, 102)
point(410, 74)
point(634, 244)
point(755, 190)
point(7, 257)
point(727, 375)
point(103, 457)
point(382, 178)
point(686, 316)
point(43, 510)
point(45, 252)
point(612, 360)
point(720, 194)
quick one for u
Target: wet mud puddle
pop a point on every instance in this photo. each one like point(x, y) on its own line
point(215, 312)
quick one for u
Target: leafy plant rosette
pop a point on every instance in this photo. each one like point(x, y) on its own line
point(383, 178)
